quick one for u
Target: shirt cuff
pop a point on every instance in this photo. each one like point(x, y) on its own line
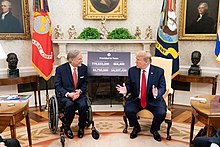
point(214, 145)
point(66, 95)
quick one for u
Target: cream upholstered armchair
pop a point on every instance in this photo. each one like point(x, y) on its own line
point(166, 64)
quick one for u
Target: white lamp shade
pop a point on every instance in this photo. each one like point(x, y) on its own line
point(2, 53)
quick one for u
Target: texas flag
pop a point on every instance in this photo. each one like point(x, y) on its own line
point(42, 51)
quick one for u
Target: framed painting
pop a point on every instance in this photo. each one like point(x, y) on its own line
point(109, 9)
point(14, 20)
point(198, 19)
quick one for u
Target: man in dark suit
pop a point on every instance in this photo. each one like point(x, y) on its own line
point(155, 86)
point(207, 141)
point(8, 22)
point(70, 86)
point(203, 24)
point(9, 142)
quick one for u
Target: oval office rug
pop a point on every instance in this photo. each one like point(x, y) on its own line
point(110, 129)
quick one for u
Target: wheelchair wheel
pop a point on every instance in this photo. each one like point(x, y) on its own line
point(53, 115)
point(89, 118)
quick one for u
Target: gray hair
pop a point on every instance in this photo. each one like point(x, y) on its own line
point(72, 54)
point(8, 2)
point(204, 4)
point(146, 55)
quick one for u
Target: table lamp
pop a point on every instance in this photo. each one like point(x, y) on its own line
point(2, 53)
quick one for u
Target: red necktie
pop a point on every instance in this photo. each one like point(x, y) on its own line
point(74, 77)
point(143, 90)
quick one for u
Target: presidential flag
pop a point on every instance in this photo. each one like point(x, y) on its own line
point(167, 36)
point(42, 51)
point(217, 47)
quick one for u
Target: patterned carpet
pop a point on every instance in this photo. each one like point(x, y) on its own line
point(111, 135)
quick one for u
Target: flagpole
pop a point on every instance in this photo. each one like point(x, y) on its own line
point(47, 95)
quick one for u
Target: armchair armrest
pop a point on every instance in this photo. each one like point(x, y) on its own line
point(167, 97)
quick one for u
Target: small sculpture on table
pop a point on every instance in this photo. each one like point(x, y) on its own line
point(138, 33)
point(104, 31)
point(12, 60)
point(58, 33)
point(195, 68)
point(148, 33)
point(72, 32)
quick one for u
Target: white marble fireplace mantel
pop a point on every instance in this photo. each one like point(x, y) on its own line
point(130, 45)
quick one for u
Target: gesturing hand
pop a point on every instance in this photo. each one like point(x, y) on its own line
point(154, 91)
point(121, 89)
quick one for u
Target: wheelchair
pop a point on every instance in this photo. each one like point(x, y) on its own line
point(56, 112)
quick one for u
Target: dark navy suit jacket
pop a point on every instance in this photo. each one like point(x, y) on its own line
point(155, 77)
point(64, 81)
point(216, 138)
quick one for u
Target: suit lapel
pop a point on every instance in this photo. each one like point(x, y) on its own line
point(137, 78)
point(79, 74)
point(69, 73)
point(150, 78)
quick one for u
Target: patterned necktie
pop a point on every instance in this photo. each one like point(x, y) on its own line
point(143, 90)
point(74, 77)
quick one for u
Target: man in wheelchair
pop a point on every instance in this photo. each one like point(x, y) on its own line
point(70, 85)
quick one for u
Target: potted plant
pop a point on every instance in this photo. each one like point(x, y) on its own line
point(89, 33)
point(120, 33)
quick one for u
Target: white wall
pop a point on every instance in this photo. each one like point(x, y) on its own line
point(140, 13)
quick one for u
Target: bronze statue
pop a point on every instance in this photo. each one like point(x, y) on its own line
point(12, 60)
point(195, 58)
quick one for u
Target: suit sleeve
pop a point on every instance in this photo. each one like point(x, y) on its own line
point(58, 83)
point(128, 82)
point(162, 84)
point(83, 86)
point(215, 140)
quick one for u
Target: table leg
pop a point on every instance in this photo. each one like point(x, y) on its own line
point(192, 128)
point(28, 128)
point(214, 85)
point(13, 131)
point(172, 97)
point(35, 98)
point(209, 131)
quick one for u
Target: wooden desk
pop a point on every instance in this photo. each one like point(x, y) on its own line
point(10, 115)
point(24, 78)
point(209, 78)
point(208, 113)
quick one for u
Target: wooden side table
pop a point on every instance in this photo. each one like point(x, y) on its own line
point(208, 78)
point(208, 113)
point(11, 114)
point(24, 78)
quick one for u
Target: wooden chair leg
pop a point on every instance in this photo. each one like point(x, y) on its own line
point(169, 124)
point(126, 124)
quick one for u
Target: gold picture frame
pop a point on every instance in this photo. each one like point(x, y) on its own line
point(189, 16)
point(20, 10)
point(110, 9)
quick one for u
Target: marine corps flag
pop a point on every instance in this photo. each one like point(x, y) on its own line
point(217, 47)
point(42, 51)
point(167, 36)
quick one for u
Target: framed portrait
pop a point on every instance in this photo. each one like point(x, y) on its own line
point(14, 20)
point(198, 19)
point(110, 9)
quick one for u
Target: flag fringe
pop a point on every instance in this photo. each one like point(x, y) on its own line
point(41, 73)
